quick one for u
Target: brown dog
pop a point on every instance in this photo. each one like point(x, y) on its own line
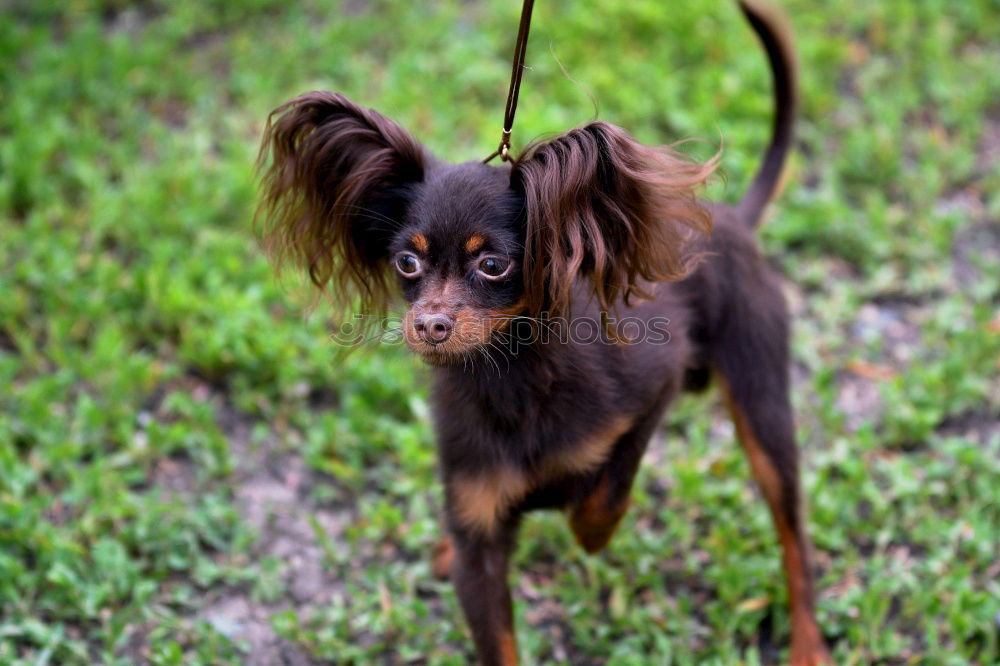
point(564, 301)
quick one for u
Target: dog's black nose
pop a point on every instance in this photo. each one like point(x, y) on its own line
point(434, 328)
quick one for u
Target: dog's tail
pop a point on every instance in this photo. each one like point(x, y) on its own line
point(772, 28)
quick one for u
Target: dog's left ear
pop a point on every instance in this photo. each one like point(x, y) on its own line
point(601, 205)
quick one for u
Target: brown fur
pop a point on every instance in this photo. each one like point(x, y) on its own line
point(595, 519)
point(588, 454)
point(601, 204)
point(483, 501)
point(474, 242)
point(508, 649)
point(329, 193)
point(442, 557)
point(420, 243)
point(807, 643)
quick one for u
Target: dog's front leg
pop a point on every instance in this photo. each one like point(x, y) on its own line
point(479, 574)
point(595, 516)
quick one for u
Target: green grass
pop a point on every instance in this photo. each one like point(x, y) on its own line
point(148, 358)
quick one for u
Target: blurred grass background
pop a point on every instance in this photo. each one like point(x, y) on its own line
point(190, 475)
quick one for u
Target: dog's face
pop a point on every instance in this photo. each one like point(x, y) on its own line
point(459, 255)
point(351, 197)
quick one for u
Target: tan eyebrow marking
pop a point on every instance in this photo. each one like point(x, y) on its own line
point(420, 242)
point(474, 243)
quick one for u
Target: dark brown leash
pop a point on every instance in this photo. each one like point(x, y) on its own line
point(520, 49)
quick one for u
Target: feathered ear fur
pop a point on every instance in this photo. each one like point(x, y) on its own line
point(336, 188)
point(601, 205)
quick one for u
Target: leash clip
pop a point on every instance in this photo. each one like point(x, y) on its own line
point(505, 146)
point(520, 49)
point(503, 150)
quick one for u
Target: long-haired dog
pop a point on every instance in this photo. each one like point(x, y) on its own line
point(519, 280)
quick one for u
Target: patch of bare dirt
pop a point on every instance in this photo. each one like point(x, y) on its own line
point(976, 249)
point(272, 496)
point(982, 427)
point(989, 143)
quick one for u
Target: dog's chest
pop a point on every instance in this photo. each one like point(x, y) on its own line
point(482, 499)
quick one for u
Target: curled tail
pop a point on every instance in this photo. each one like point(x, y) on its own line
point(772, 29)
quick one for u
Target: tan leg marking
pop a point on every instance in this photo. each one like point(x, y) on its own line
point(481, 501)
point(442, 557)
point(508, 649)
point(594, 522)
point(589, 454)
point(808, 647)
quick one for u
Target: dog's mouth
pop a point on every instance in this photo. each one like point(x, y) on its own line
point(436, 356)
point(471, 332)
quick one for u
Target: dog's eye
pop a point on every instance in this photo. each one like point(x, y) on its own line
point(493, 268)
point(407, 265)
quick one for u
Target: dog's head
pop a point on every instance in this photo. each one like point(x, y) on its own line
point(351, 197)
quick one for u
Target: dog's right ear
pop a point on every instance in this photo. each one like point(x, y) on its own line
point(336, 180)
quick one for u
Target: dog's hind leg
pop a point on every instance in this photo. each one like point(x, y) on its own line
point(753, 364)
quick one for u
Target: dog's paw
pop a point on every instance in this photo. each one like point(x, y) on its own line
point(812, 654)
point(442, 555)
